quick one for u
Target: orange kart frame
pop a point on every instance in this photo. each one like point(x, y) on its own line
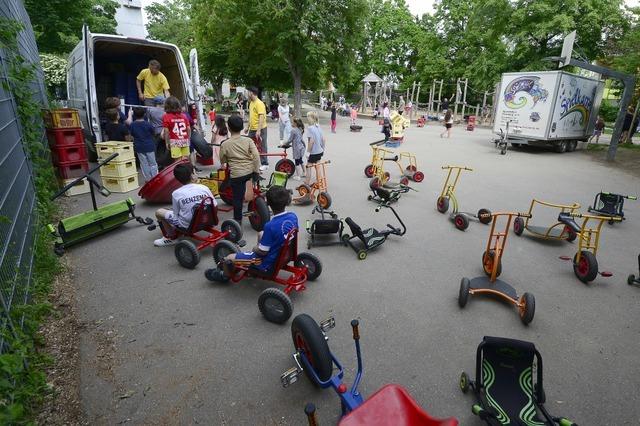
point(320, 187)
point(492, 266)
point(553, 232)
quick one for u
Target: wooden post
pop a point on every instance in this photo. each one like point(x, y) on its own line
point(455, 108)
point(414, 107)
point(440, 96)
point(464, 97)
point(484, 103)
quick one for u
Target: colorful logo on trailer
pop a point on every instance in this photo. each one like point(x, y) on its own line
point(577, 103)
point(530, 85)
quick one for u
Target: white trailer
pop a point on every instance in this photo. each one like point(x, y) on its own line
point(547, 108)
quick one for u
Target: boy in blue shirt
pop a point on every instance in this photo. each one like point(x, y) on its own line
point(265, 254)
point(144, 143)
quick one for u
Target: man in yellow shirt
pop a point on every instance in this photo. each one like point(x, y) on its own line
point(258, 124)
point(156, 85)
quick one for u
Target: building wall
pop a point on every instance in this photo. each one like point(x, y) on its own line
point(129, 19)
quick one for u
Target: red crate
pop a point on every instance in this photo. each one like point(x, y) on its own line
point(72, 169)
point(204, 161)
point(60, 137)
point(68, 153)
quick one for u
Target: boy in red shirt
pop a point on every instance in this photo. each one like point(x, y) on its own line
point(175, 128)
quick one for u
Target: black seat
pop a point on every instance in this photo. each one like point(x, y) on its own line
point(326, 226)
point(568, 220)
point(608, 204)
point(370, 237)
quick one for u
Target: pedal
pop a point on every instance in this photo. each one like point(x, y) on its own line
point(241, 243)
point(290, 376)
point(328, 324)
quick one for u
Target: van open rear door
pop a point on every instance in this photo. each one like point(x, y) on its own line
point(90, 86)
point(196, 90)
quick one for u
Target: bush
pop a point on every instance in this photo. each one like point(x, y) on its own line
point(608, 111)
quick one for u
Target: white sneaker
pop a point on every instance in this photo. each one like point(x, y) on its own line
point(163, 242)
point(263, 167)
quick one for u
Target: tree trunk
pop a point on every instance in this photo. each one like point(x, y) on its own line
point(297, 92)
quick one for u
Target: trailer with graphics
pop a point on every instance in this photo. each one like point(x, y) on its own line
point(548, 108)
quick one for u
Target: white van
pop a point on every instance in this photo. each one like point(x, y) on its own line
point(104, 65)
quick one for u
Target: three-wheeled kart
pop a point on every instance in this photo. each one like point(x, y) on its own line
point(318, 190)
point(448, 194)
point(557, 231)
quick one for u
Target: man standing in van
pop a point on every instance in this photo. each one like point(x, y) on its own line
point(156, 85)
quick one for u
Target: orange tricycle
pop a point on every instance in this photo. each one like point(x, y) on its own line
point(318, 189)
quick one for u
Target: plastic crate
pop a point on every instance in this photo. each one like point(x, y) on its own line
point(63, 137)
point(81, 187)
point(118, 168)
point(121, 184)
point(72, 169)
point(124, 150)
point(212, 184)
point(63, 118)
point(68, 153)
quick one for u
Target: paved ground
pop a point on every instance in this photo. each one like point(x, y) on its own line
point(164, 346)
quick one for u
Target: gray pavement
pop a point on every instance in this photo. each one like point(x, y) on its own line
point(164, 346)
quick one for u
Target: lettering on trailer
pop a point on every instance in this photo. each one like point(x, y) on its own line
point(527, 84)
point(574, 101)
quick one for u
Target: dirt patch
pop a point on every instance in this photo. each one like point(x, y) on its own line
point(60, 334)
point(627, 159)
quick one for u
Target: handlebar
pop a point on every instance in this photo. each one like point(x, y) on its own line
point(457, 167)
point(356, 332)
point(380, 142)
point(590, 216)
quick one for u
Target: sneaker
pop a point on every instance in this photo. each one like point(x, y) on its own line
point(163, 242)
point(216, 274)
point(263, 167)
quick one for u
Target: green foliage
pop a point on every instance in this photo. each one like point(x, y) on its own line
point(22, 379)
point(608, 111)
point(54, 68)
point(57, 24)
point(170, 21)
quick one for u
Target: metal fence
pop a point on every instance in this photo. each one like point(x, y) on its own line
point(18, 218)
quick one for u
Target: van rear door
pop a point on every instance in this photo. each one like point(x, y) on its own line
point(196, 89)
point(90, 86)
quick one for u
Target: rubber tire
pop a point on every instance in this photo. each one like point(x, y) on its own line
point(368, 171)
point(442, 204)
point(362, 254)
point(518, 226)
point(282, 298)
point(187, 254)
point(200, 145)
point(485, 220)
point(464, 382)
point(304, 190)
point(463, 294)
point(224, 191)
point(571, 234)
point(287, 166)
point(492, 255)
point(529, 308)
point(591, 266)
point(234, 228)
point(560, 147)
point(503, 149)
point(309, 259)
point(515, 145)
point(306, 328)
point(324, 200)
point(418, 177)
point(222, 249)
point(631, 279)
point(374, 183)
point(259, 206)
point(571, 146)
point(461, 222)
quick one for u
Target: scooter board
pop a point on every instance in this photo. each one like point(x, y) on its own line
point(557, 233)
point(483, 283)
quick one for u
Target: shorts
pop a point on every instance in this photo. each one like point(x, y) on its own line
point(299, 162)
point(447, 125)
point(314, 158)
point(597, 132)
point(172, 219)
point(250, 258)
point(179, 151)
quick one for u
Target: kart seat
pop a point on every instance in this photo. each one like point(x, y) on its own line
point(205, 217)
point(370, 237)
point(288, 252)
point(326, 226)
point(568, 220)
point(608, 204)
point(392, 405)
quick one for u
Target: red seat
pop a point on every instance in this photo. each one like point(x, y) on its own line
point(392, 405)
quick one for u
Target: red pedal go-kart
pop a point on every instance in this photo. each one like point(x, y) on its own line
point(391, 405)
point(291, 269)
point(205, 219)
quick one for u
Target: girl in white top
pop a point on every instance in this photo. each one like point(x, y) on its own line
point(284, 119)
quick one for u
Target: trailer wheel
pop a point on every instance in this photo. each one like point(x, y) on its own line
point(572, 146)
point(560, 147)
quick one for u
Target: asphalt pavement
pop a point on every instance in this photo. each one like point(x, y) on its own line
point(162, 345)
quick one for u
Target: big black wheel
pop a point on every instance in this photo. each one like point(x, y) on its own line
point(324, 200)
point(369, 170)
point(260, 213)
point(222, 249)
point(187, 254)
point(442, 204)
point(631, 279)
point(224, 190)
point(461, 222)
point(572, 146)
point(286, 166)
point(560, 147)
point(571, 234)
point(313, 264)
point(587, 268)
point(527, 309)
point(463, 295)
point(275, 305)
point(464, 382)
point(488, 263)
point(308, 338)
point(233, 228)
point(518, 226)
point(484, 216)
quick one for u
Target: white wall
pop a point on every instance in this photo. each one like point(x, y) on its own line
point(129, 19)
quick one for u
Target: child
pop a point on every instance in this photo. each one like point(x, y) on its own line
point(316, 142)
point(114, 102)
point(386, 129)
point(212, 116)
point(297, 142)
point(334, 114)
point(176, 129)
point(144, 143)
point(184, 200)
point(115, 130)
point(448, 123)
point(597, 129)
point(270, 240)
point(220, 133)
point(354, 115)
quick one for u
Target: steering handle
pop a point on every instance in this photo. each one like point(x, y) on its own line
point(354, 326)
point(381, 141)
point(527, 215)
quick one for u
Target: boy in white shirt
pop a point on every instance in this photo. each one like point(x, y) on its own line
point(184, 200)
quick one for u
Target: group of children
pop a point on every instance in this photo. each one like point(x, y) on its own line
point(145, 126)
point(315, 144)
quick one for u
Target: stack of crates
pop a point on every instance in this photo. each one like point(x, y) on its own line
point(68, 151)
point(120, 174)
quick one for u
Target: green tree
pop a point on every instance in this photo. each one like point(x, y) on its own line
point(57, 24)
point(170, 22)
